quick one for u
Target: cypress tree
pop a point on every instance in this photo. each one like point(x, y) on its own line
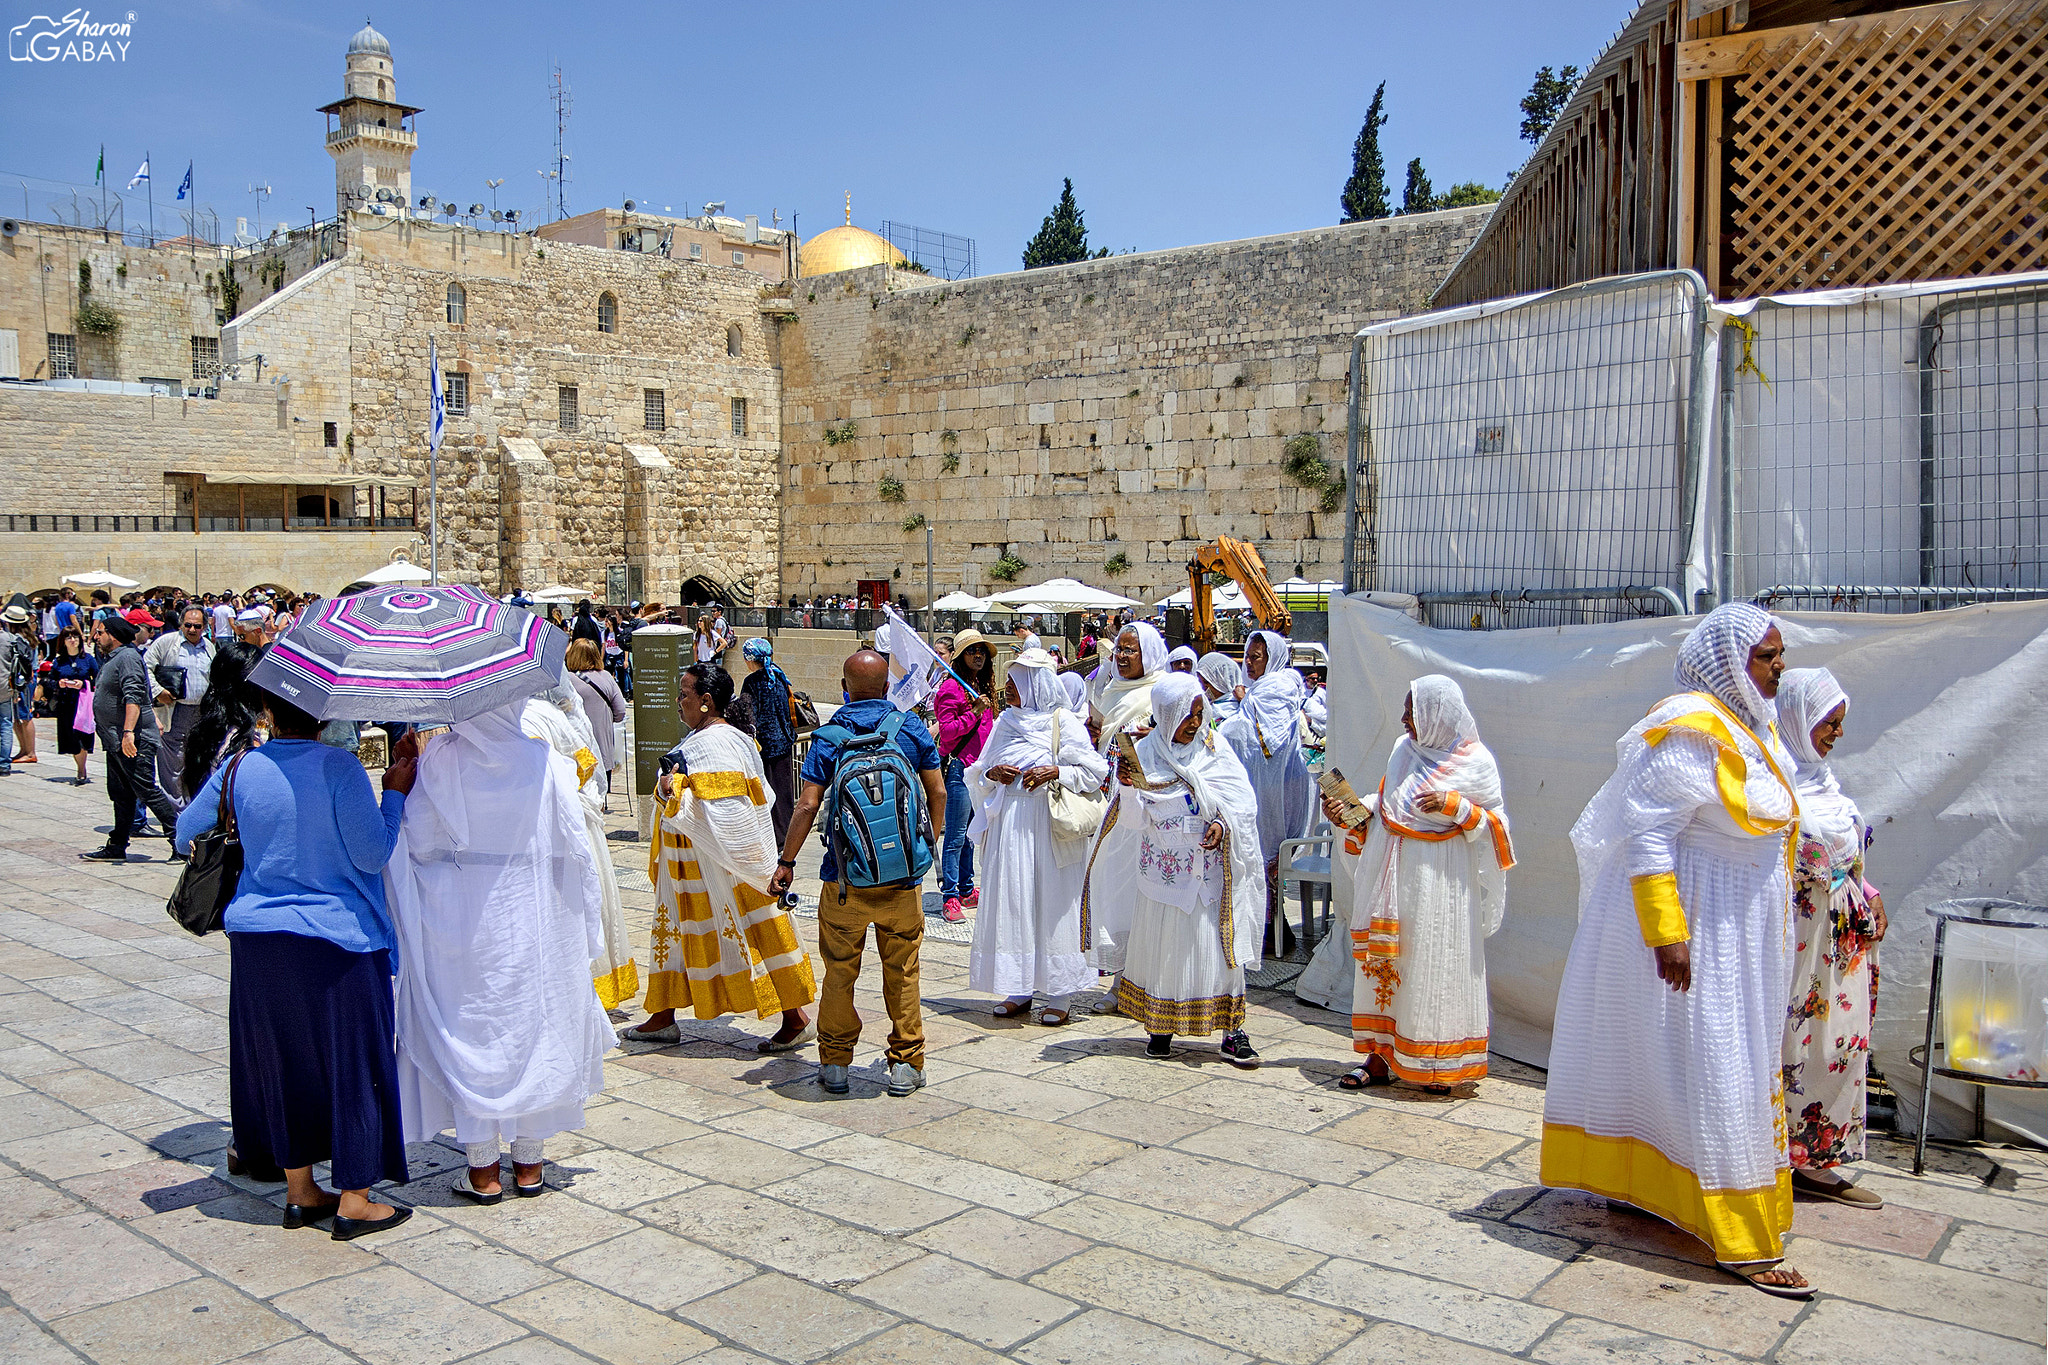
point(1063, 236)
point(1419, 196)
point(1365, 193)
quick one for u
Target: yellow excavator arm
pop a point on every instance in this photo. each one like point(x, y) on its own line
point(1241, 561)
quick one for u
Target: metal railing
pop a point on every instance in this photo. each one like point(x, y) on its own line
point(102, 524)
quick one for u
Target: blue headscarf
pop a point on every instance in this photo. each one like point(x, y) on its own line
point(762, 652)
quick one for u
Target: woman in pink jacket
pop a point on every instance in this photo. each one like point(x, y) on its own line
point(965, 719)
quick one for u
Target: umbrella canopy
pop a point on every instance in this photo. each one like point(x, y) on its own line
point(1229, 597)
point(397, 571)
point(559, 593)
point(1065, 594)
point(959, 601)
point(414, 654)
point(99, 578)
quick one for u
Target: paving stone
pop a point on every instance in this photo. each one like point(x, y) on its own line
point(686, 1101)
point(914, 1344)
point(969, 1180)
point(1115, 1075)
point(1153, 1125)
point(148, 1186)
point(1362, 1227)
point(1995, 1251)
point(1587, 1218)
point(655, 1268)
point(996, 1241)
point(617, 1180)
point(761, 1228)
point(865, 1111)
point(605, 1325)
point(29, 1116)
point(54, 1266)
point(1236, 1254)
point(1894, 1228)
point(1295, 1112)
point(1450, 1310)
point(1588, 1341)
point(866, 1200)
point(1197, 1186)
point(23, 1201)
point(534, 1351)
point(786, 1318)
point(389, 1316)
point(1102, 1336)
point(1974, 1203)
point(463, 1263)
point(1391, 1341)
point(635, 1128)
point(1028, 1146)
point(75, 1151)
point(967, 1301)
point(1838, 1332)
point(1270, 1326)
point(1984, 1302)
point(141, 1061)
point(789, 1132)
point(733, 1160)
point(1412, 1133)
point(24, 1343)
point(544, 1228)
point(1698, 1303)
point(1297, 1154)
point(240, 1239)
point(194, 1323)
point(1011, 1094)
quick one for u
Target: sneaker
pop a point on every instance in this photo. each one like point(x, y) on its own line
point(833, 1079)
point(904, 1078)
point(953, 914)
point(1159, 1045)
point(1237, 1050)
point(106, 853)
point(177, 857)
point(972, 900)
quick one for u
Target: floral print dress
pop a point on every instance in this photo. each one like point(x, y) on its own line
point(1834, 995)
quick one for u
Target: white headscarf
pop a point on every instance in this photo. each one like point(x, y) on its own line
point(1274, 699)
point(1123, 702)
point(1219, 674)
point(1024, 736)
point(1036, 678)
point(1180, 652)
point(1715, 659)
point(1076, 688)
point(1446, 755)
point(1805, 697)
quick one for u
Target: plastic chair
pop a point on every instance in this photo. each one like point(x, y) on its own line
point(1305, 863)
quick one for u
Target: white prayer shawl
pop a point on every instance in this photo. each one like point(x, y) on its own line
point(557, 719)
point(494, 896)
point(1673, 1101)
point(734, 839)
point(1266, 736)
point(1805, 698)
point(1219, 674)
point(1027, 933)
point(1075, 688)
point(1180, 654)
point(1118, 704)
point(1121, 703)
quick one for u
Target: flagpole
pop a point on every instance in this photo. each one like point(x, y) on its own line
point(149, 186)
point(433, 467)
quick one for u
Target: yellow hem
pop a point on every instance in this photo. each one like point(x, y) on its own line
point(616, 987)
point(1740, 1225)
point(1658, 911)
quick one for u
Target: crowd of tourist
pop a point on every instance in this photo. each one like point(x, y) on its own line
point(443, 961)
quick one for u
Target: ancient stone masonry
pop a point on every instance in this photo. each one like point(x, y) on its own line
point(1133, 406)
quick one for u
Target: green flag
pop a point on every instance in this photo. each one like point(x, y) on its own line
point(100, 174)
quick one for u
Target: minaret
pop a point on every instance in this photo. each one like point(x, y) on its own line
point(369, 133)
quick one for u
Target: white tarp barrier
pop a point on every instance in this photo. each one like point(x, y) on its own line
point(1946, 752)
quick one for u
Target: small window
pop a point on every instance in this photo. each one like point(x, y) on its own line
point(607, 313)
point(733, 338)
point(739, 416)
point(565, 405)
point(458, 305)
point(63, 355)
point(205, 357)
point(654, 407)
point(696, 251)
point(330, 434)
point(739, 258)
point(455, 393)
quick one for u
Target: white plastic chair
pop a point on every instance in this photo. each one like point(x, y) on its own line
point(1305, 863)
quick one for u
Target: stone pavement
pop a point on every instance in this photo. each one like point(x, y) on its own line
point(1054, 1197)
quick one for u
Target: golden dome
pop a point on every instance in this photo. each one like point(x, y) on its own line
point(847, 248)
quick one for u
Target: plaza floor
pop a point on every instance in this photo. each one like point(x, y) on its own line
point(1053, 1197)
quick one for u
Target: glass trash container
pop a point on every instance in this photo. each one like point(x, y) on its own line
point(1987, 1002)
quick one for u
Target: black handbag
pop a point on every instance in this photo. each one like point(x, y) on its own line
point(213, 868)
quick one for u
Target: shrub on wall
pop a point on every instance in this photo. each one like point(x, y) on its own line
point(914, 522)
point(1116, 564)
point(839, 434)
point(891, 489)
point(1007, 568)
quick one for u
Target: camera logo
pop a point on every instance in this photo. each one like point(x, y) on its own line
point(74, 38)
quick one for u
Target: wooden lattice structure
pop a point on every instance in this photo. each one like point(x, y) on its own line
point(1784, 145)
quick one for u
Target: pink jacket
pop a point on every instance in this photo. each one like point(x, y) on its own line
point(962, 729)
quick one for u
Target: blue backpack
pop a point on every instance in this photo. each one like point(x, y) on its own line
point(876, 822)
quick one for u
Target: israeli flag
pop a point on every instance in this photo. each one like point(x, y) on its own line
point(141, 174)
point(186, 188)
point(438, 404)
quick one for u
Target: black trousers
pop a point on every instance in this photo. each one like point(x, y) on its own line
point(781, 772)
point(134, 779)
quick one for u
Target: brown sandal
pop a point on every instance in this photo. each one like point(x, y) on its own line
point(1010, 1009)
point(1052, 1018)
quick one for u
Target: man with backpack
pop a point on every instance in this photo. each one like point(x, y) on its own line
point(874, 771)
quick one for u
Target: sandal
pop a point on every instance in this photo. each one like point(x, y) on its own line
point(1052, 1018)
point(1010, 1009)
point(770, 1046)
point(1357, 1078)
point(1855, 1196)
point(1751, 1271)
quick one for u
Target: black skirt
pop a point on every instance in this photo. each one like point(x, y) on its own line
point(312, 1058)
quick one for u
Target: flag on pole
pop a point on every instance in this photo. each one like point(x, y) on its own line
point(99, 174)
point(915, 669)
point(186, 187)
point(141, 173)
point(438, 402)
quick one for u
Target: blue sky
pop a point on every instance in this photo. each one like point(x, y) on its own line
point(1179, 123)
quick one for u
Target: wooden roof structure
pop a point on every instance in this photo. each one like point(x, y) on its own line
point(1782, 145)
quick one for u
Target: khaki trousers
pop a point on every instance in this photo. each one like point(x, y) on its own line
point(898, 917)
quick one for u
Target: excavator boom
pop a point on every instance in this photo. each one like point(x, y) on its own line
point(1241, 561)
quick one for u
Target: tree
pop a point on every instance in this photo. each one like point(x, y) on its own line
point(1546, 100)
point(1365, 193)
point(1063, 236)
point(1418, 196)
point(1465, 195)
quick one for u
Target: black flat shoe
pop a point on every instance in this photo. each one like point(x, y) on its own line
point(306, 1215)
point(348, 1229)
point(1159, 1045)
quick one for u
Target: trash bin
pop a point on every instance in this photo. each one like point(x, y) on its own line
point(1987, 1001)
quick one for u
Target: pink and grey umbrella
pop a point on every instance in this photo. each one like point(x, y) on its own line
point(412, 654)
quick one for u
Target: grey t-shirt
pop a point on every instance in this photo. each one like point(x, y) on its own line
point(124, 678)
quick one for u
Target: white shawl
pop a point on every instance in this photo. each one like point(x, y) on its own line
point(1826, 815)
point(1121, 703)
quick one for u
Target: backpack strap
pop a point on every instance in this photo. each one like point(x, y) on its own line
point(835, 735)
point(890, 726)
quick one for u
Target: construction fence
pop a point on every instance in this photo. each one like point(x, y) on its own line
point(1629, 447)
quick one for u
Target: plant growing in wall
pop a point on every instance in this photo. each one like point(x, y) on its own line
point(1117, 564)
point(914, 522)
point(93, 317)
point(890, 489)
point(1007, 568)
point(951, 463)
point(230, 291)
point(838, 434)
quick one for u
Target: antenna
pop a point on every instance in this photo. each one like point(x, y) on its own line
point(561, 172)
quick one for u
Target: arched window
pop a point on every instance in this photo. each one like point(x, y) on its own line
point(607, 312)
point(380, 89)
point(733, 337)
point(458, 304)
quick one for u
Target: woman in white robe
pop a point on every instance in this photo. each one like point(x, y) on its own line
point(1180, 659)
point(1266, 735)
point(494, 895)
point(1839, 920)
point(721, 943)
point(1430, 887)
point(1219, 674)
point(556, 717)
point(1666, 1089)
point(1119, 699)
point(1027, 934)
point(1199, 908)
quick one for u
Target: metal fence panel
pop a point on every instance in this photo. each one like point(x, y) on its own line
point(1542, 446)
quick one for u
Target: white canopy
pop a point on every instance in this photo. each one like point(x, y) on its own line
point(1229, 597)
point(1064, 594)
point(99, 578)
point(1302, 587)
point(559, 593)
point(397, 571)
point(960, 601)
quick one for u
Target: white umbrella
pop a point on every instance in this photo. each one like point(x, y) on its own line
point(1229, 597)
point(99, 578)
point(959, 601)
point(1065, 594)
point(559, 593)
point(397, 571)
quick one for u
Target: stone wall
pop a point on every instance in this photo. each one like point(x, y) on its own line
point(1134, 405)
point(164, 296)
point(313, 561)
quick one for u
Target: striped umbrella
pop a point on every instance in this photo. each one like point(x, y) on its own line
point(425, 655)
